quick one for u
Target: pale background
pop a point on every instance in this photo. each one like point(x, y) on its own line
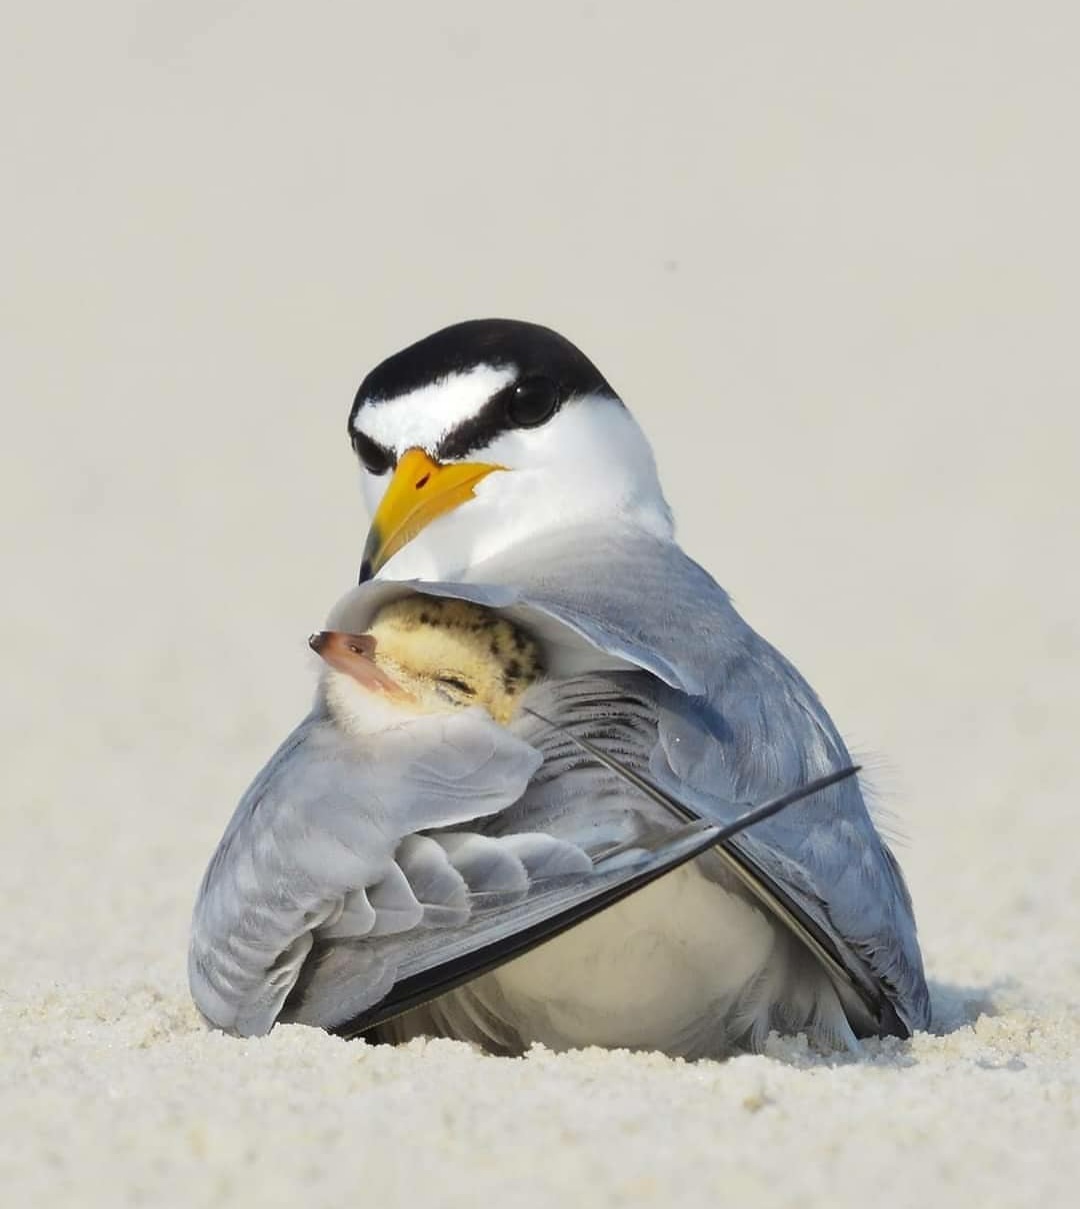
point(828, 253)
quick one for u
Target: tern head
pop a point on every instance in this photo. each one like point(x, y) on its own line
point(427, 655)
point(487, 434)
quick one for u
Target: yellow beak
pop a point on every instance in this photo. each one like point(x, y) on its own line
point(420, 490)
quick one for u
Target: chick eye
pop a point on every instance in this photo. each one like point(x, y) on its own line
point(455, 682)
point(377, 461)
point(532, 401)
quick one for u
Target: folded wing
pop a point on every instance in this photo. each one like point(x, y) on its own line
point(312, 848)
point(733, 722)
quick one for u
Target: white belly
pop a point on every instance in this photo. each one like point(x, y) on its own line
point(662, 970)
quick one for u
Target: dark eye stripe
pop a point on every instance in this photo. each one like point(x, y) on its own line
point(479, 431)
point(375, 458)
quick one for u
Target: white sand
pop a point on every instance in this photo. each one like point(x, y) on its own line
point(830, 258)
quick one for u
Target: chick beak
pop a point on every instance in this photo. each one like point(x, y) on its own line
point(421, 490)
point(354, 654)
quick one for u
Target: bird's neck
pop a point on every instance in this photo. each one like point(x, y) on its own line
point(458, 549)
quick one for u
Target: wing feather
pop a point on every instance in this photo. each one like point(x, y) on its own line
point(319, 827)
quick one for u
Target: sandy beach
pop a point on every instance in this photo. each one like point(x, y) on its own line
point(829, 258)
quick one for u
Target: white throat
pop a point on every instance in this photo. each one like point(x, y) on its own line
point(356, 710)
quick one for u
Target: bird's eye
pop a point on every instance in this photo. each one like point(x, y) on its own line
point(377, 461)
point(455, 682)
point(532, 401)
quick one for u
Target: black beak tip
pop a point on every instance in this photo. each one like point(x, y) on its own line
point(365, 571)
point(317, 641)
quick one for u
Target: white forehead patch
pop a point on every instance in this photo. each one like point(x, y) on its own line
point(423, 417)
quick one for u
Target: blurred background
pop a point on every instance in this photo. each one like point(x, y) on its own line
point(828, 254)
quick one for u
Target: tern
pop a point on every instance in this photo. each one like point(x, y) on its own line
point(637, 711)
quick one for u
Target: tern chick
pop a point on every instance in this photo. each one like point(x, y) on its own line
point(424, 655)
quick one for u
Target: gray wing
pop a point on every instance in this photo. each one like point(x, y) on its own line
point(354, 880)
point(516, 878)
point(734, 722)
point(353, 982)
point(313, 849)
